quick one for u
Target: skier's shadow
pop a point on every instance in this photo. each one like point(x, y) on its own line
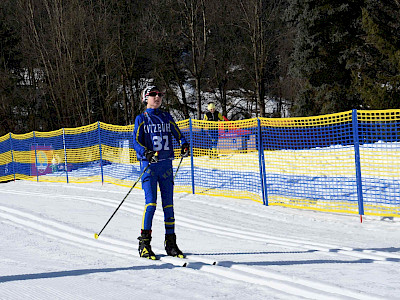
point(296, 262)
point(301, 262)
point(389, 249)
point(80, 272)
point(252, 253)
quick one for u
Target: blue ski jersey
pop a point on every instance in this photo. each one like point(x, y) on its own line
point(153, 131)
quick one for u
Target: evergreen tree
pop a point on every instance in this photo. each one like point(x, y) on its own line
point(327, 33)
point(377, 72)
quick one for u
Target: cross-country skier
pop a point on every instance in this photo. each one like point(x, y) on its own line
point(153, 144)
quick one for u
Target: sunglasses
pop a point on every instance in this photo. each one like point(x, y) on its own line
point(153, 94)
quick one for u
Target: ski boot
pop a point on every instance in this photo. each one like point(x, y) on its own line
point(171, 247)
point(144, 245)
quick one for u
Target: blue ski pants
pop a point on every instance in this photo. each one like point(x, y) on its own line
point(160, 173)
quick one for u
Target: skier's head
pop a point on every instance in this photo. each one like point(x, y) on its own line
point(211, 107)
point(152, 93)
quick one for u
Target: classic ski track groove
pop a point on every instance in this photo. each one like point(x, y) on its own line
point(376, 256)
point(278, 282)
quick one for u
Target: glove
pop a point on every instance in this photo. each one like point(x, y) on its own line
point(185, 149)
point(151, 156)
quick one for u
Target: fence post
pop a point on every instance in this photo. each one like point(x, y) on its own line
point(262, 164)
point(12, 155)
point(357, 164)
point(191, 156)
point(36, 161)
point(101, 156)
point(65, 156)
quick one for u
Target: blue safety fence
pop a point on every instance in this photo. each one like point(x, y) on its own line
point(346, 162)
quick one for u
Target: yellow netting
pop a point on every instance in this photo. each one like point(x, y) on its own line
point(307, 162)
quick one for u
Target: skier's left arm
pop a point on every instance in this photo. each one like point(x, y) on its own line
point(176, 132)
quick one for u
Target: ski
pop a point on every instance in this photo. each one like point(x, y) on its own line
point(193, 261)
point(176, 261)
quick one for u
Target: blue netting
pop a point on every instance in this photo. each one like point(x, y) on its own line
point(314, 163)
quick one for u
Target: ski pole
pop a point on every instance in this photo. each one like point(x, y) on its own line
point(96, 235)
point(178, 167)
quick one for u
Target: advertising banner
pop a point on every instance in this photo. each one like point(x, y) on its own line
point(42, 162)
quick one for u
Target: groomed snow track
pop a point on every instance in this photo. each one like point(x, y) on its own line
point(280, 283)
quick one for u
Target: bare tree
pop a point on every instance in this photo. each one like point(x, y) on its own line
point(168, 47)
point(195, 29)
point(85, 61)
point(222, 64)
point(260, 22)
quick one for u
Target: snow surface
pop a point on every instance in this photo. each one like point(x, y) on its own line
point(237, 249)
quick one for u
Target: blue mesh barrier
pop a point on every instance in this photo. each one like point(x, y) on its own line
point(346, 162)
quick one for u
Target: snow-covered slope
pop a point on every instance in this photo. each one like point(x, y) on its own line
point(237, 249)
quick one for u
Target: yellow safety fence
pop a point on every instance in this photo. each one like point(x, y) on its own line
point(347, 162)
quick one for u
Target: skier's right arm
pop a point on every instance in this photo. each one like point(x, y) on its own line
point(138, 137)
